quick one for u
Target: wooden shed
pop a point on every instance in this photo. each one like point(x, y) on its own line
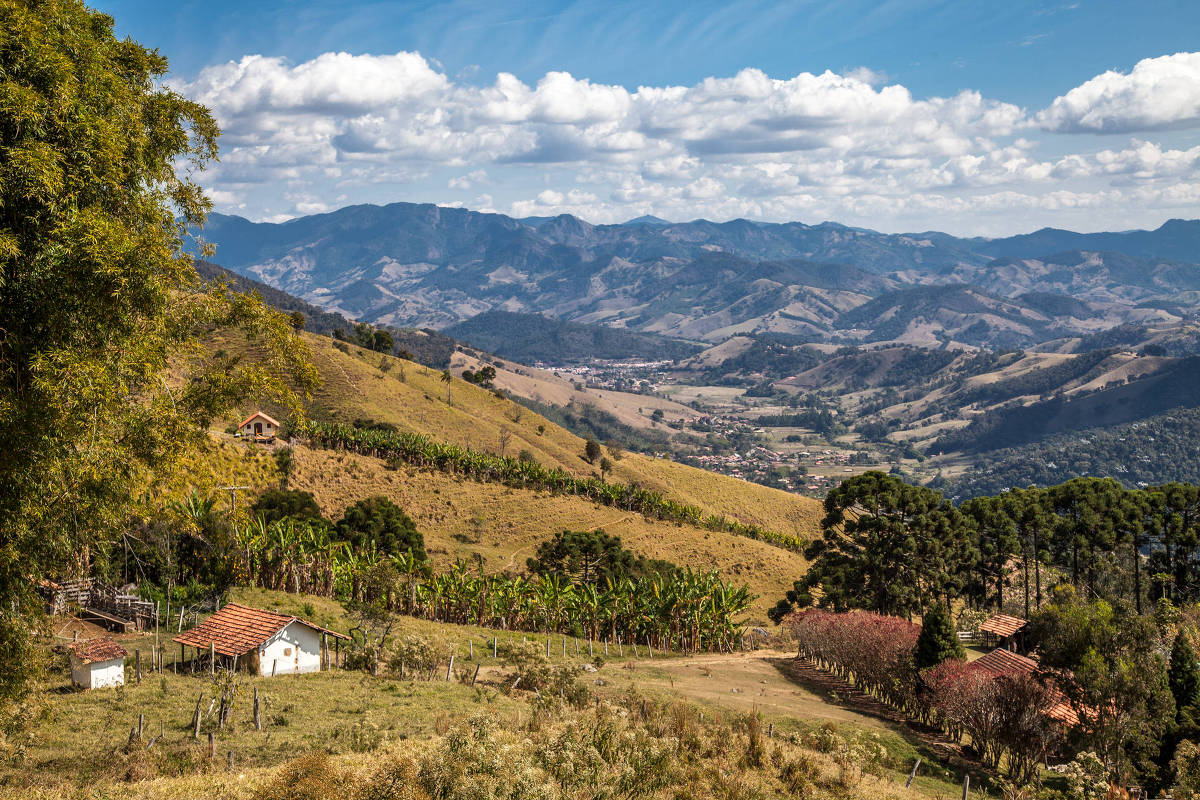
point(263, 642)
point(97, 663)
point(1002, 630)
point(259, 427)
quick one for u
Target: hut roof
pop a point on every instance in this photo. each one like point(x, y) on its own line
point(102, 648)
point(258, 414)
point(237, 629)
point(1002, 625)
point(1001, 662)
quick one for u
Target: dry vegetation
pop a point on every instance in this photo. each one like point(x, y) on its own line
point(656, 728)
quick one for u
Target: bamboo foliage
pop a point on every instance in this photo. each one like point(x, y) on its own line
point(425, 453)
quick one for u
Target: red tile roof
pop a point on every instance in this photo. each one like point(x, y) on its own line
point(258, 414)
point(1002, 625)
point(102, 648)
point(236, 630)
point(1000, 662)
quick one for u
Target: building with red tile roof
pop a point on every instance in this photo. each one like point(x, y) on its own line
point(264, 642)
point(97, 663)
point(1005, 662)
point(1002, 630)
point(258, 426)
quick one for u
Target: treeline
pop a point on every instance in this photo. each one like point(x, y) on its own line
point(1003, 716)
point(425, 453)
point(819, 420)
point(898, 549)
point(1154, 451)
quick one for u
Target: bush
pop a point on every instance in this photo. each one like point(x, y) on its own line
point(379, 520)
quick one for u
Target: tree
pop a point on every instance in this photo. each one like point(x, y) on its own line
point(938, 640)
point(379, 521)
point(382, 341)
point(605, 468)
point(887, 547)
point(297, 320)
point(446, 379)
point(96, 295)
point(592, 557)
point(275, 504)
point(591, 450)
point(1184, 678)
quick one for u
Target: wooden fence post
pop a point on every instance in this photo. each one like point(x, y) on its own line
point(196, 718)
point(475, 677)
point(471, 649)
point(257, 712)
point(495, 639)
point(450, 667)
point(564, 646)
point(231, 759)
point(591, 653)
point(212, 746)
point(141, 725)
point(137, 662)
point(274, 664)
point(212, 658)
point(966, 785)
point(912, 774)
point(547, 647)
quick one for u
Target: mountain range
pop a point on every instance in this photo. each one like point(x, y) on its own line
point(421, 265)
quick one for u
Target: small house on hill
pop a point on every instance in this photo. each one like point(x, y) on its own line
point(97, 663)
point(259, 427)
point(263, 642)
point(1004, 631)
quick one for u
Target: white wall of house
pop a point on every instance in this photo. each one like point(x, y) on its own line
point(267, 428)
point(98, 674)
point(295, 649)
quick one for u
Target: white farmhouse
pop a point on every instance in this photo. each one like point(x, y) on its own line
point(97, 663)
point(259, 427)
point(263, 642)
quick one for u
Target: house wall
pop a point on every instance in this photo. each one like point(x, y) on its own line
point(98, 675)
point(295, 649)
point(267, 428)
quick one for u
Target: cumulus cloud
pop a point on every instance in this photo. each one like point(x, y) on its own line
point(851, 146)
point(1157, 94)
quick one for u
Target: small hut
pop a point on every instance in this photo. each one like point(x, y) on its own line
point(259, 427)
point(1004, 631)
point(263, 642)
point(97, 663)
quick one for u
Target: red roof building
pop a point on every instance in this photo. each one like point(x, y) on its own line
point(265, 642)
point(1005, 662)
point(97, 663)
point(1002, 630)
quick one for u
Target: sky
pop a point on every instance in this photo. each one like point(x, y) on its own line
point(975, 118)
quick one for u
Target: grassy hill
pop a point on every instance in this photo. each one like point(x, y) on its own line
point(462, 518)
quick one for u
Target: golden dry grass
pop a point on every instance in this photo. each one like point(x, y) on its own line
point(460, 519)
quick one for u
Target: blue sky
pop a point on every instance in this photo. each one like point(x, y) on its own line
point(918, 115)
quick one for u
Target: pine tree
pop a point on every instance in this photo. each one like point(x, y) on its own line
point(1184, 677)
point(938, 640)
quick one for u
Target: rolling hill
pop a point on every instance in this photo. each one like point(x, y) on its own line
point(461, 518)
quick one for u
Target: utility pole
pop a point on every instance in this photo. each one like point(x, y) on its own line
point(233, 490)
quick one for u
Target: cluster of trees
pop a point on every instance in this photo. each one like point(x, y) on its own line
point(1103, 571)
point(368, 337)
point(1148, 452)
point(485, 376)
point(425, 453)
point(894, 548)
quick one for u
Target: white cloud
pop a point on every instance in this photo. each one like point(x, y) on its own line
point(1158, 94)
point(848, 146)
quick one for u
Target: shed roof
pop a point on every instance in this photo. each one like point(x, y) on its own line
point(258, 414)
point(1000, 662)
point(1002, 625)
point(237, 629)
point(102, 648)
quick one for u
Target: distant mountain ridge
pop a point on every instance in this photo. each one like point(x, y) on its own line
point(423, 265)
